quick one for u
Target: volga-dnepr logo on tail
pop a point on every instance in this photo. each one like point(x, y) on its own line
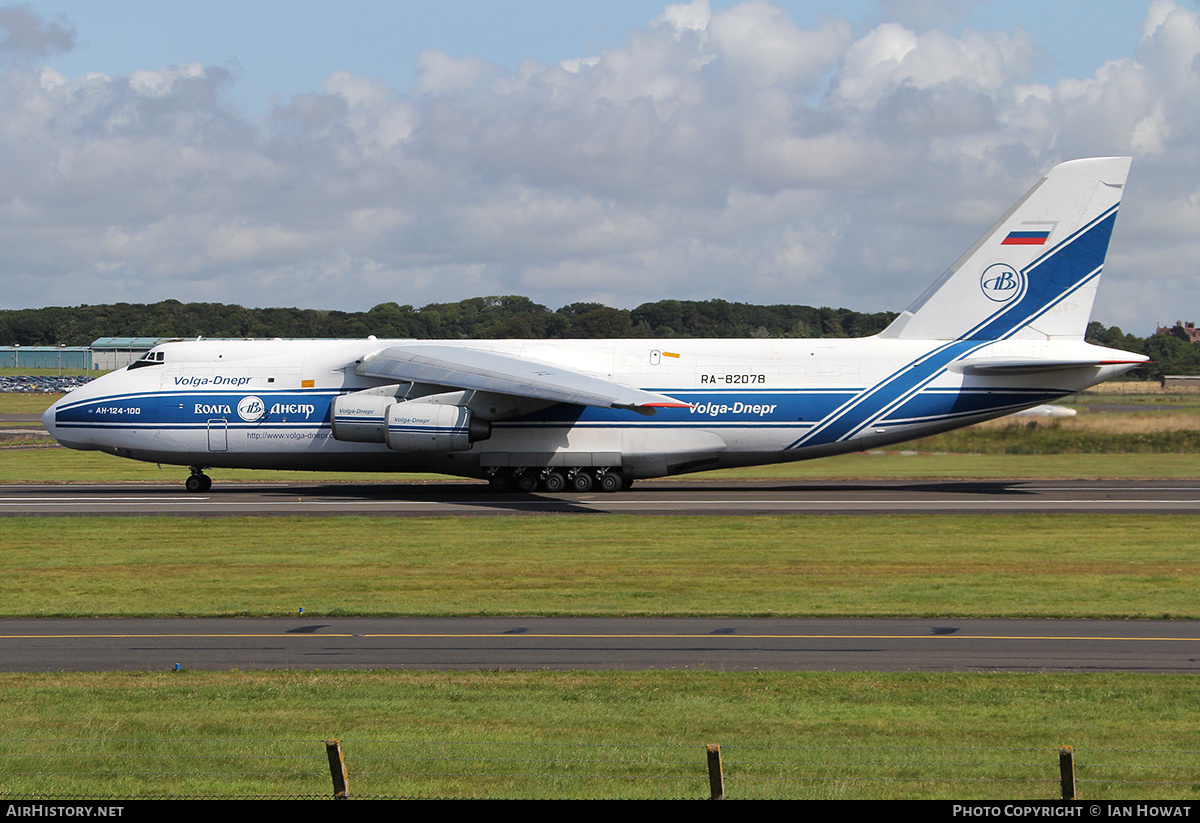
point(1001, 330)
point(1000, 282)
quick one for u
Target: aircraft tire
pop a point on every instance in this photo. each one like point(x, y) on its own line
point(500, 482)
point(610, 482)
point(198, 483)
point(525, 482)
point(554, 482)
point(582, 482)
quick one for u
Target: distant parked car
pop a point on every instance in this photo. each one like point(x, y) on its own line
point(38, 384)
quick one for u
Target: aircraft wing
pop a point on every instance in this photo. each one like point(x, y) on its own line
point(465, 368)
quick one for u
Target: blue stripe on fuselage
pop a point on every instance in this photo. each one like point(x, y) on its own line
point(184, 409)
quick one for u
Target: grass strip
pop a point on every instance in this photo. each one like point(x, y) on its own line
point(1055, 438)
point(598, 734)
point(965, 566)
point(58, 465)
point(21, 403)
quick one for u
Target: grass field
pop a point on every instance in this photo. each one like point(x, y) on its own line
point(18, 403)
point(1118, 566)
point(56, 465)
point(599, 734)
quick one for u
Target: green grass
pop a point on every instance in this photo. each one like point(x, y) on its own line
point(1059, 440)
point(17, 403)
point(915, 465)
point(52, 464)
point(965, 566)
point(1093, 397)
point(598, 734)
point(58, 465)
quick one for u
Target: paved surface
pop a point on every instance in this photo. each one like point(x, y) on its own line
point(656, 497)
point(14, 426)
point(942, 644)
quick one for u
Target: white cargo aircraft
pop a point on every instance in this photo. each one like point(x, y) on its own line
point(1001, 331)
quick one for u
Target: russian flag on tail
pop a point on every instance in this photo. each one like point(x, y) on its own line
point(1026, 238)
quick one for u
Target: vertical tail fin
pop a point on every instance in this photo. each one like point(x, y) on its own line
point(1034, 274)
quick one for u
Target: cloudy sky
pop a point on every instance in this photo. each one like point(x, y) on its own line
point(341, 155)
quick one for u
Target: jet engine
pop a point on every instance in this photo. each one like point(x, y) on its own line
point(360, 417)
point(406, 425)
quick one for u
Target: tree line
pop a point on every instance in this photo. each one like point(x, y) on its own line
point(476, 318)
point(505, 317)
point(1168, 353)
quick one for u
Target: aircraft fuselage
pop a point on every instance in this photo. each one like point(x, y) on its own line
point(267, 404)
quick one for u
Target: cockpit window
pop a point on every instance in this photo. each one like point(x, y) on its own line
point(150, 358)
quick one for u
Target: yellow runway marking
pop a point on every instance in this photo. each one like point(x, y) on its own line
point(533, 636)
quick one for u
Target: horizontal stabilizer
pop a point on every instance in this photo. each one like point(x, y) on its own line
point(992, 365)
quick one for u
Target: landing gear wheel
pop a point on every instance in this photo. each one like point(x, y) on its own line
point(198, 482)
point(554, 482)
point(609, 482)
point(525, 482)
point(582, 482)
point(500, 482)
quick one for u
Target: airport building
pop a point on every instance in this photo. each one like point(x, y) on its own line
point(45, 357)
point(105, 354)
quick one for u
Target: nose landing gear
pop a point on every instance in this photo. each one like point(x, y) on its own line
point(198, 481)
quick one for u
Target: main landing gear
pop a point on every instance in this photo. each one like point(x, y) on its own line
point(199, 481)
point(557, 480)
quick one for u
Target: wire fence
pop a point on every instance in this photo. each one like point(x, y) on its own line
point(102, 769)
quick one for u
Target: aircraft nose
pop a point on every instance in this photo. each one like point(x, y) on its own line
point(48, 419)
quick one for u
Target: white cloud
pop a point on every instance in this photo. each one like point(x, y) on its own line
point(758, 45)
point(683, 17)
point(25, 35)
point(439, 73)
point(891, 56)
point(730, 154)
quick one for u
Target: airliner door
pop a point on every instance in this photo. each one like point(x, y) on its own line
point(218, 434)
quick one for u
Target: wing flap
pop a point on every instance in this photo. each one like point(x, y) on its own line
point(467, 368)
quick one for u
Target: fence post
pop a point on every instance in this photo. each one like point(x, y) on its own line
point(337, 770)
point(716, 775)
point(1066, 771)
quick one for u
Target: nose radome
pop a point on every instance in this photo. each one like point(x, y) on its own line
point(48, 419)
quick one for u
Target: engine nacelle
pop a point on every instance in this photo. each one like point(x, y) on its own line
point(414, 426)
point(406, 425)
point(360, 418)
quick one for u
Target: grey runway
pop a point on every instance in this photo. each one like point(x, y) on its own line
point(524, 643)
point(662, 497)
